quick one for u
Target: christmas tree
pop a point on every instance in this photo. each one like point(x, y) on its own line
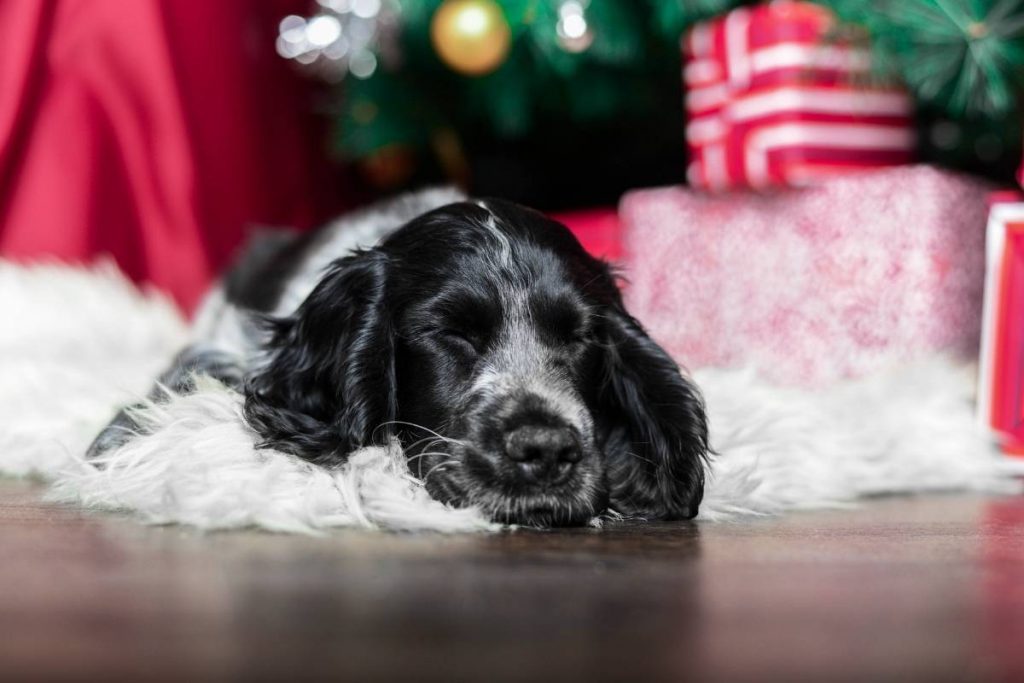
point(461, 86)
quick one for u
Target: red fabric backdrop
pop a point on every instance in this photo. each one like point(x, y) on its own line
point(158, 132)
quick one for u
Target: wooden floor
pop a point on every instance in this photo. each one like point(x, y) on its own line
point(927, 589)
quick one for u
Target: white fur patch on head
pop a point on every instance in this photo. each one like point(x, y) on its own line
point(501, 255)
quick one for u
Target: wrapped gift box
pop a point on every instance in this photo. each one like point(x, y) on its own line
point(812, 285)
point(775, 98)
point(1001, 389)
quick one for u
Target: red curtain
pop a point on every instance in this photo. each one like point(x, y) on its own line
point(157, 132)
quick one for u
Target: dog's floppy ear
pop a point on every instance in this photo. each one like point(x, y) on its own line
point(329, 380)
point(658, 443)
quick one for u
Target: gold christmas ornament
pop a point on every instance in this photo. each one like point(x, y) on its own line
point(471, 36)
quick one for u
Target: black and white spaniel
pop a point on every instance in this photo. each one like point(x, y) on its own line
point(478, 333)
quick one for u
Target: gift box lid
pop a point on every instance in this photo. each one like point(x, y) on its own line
point(779, 94)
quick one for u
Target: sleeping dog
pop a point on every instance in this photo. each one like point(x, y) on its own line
point(480, 335)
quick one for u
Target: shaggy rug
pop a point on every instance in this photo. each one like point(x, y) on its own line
point(77, 343)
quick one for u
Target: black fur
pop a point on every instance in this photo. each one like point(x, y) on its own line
point(331, 380)
point(397, 335)
point(492, 346)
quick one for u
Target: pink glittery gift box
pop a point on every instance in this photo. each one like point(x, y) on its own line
point(810, 286)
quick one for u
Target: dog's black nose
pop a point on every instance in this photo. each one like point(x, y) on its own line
point(543, 453)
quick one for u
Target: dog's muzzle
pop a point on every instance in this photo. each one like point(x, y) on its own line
point(530, 462)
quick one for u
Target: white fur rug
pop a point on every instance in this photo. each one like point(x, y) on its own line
point(77, 343)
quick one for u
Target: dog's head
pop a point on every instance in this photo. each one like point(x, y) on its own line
point(498, 351)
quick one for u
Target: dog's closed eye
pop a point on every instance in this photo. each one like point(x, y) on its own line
point(464, 320)
point(560, 319)
point(468, 341)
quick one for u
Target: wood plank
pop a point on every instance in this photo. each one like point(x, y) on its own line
point(928, 588)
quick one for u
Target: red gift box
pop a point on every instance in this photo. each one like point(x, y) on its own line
point(809, 286)
point(1001, 391)
point(774, 99)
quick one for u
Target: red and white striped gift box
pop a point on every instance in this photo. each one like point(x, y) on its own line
point(1001, 372)
point(772, 99)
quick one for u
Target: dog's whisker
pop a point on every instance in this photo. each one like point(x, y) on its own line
point(426, 429)
point(437, 467)
point(418, 456)
point(432, 442)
